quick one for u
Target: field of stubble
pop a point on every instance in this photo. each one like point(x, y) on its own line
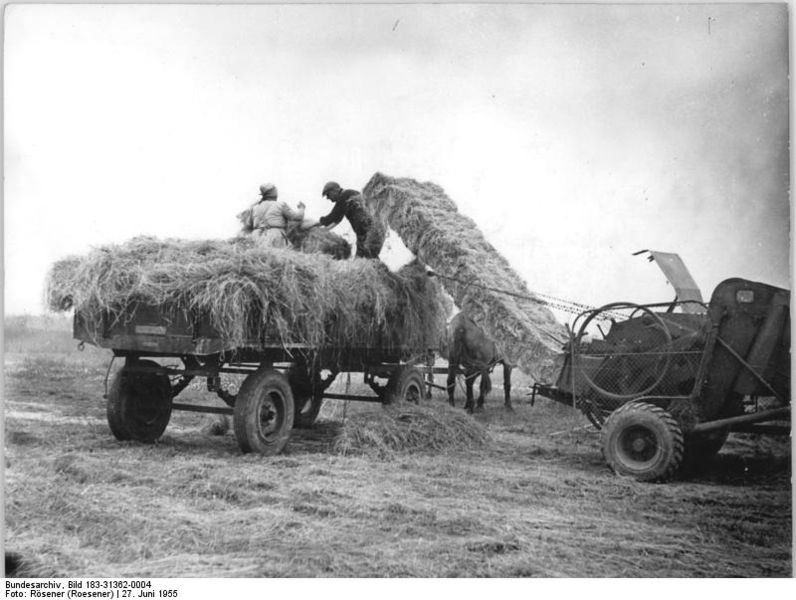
point(536, 501)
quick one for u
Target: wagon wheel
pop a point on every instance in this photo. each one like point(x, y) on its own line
point(406, 384)
point(263, 412)
point(642, 441)
point(632, 383)
point(139, 402)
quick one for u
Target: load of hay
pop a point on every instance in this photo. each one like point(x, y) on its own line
point(249, 293)
point(409, 428)
point(430, 225)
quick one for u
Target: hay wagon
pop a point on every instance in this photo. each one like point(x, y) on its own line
point(284, 386)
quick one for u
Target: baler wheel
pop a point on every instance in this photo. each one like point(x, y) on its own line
point(643, 441)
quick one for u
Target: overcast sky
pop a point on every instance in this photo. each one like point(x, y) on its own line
point(574, 135)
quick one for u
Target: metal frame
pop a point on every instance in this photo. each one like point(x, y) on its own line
point(686, 403)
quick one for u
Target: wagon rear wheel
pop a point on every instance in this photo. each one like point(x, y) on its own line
point(263, 412)
point(406, 384)
point(139, 402)
point(642, 441)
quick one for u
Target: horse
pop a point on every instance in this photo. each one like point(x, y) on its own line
point(472, 351)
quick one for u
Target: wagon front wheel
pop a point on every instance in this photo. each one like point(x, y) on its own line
point(643, 441)
point(139, 402)
point(263, 412)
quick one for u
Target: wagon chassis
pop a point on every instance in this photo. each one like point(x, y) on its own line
point(284, 386)
point(216, 366)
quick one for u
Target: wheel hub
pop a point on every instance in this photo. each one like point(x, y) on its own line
point(267, 421)
point(639, 444)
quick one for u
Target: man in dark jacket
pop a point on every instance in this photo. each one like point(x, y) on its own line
point(351, 205)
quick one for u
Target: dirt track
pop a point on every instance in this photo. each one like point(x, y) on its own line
point(537, 501)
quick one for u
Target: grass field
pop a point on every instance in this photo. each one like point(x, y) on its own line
point(535, 501)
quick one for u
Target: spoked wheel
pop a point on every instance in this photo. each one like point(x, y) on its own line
point(139, 402)
point(406, 384)
point(642, 441)
point(263, 412)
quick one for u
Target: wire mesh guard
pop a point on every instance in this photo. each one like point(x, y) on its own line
point(622, 352)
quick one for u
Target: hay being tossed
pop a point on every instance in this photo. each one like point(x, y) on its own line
point(387, 433)
point(319, 240)
point(248, 292)
point(428, 222)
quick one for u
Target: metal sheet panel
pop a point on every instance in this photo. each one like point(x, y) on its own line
point(677, 274)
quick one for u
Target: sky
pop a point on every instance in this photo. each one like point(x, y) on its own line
point(574, 135)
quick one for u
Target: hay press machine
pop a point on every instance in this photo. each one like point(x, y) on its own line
point(667, 382)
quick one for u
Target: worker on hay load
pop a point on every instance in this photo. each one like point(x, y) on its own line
point(351, 205)
point(269, 218)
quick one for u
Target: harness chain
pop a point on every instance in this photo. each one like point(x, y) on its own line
point(544, 299)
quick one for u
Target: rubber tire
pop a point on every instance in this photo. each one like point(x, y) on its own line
point(129, 391)
point(637, 423)
point(260, 389)
point(306, 405)
point(406, 384)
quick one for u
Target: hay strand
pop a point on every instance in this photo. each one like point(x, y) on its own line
point(428, 222)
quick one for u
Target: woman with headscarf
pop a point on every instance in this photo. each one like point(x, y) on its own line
point(268, 219)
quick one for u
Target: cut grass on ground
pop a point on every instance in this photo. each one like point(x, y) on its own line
point(534, 500)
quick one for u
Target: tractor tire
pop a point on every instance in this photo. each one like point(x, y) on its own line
point(263, 412)
point(406, 384)
point(307, 399)
point(642, 441)
point(139, 404)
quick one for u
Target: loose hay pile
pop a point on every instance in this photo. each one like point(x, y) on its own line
point(429, 224)
point(248, 292)
point(387, 433)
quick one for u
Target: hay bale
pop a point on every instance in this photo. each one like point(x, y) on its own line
point(247, 292)
point(319, 240)
point(408, 428)
point(428, 222)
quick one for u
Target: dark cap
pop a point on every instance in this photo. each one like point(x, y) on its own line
point(331, 186)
